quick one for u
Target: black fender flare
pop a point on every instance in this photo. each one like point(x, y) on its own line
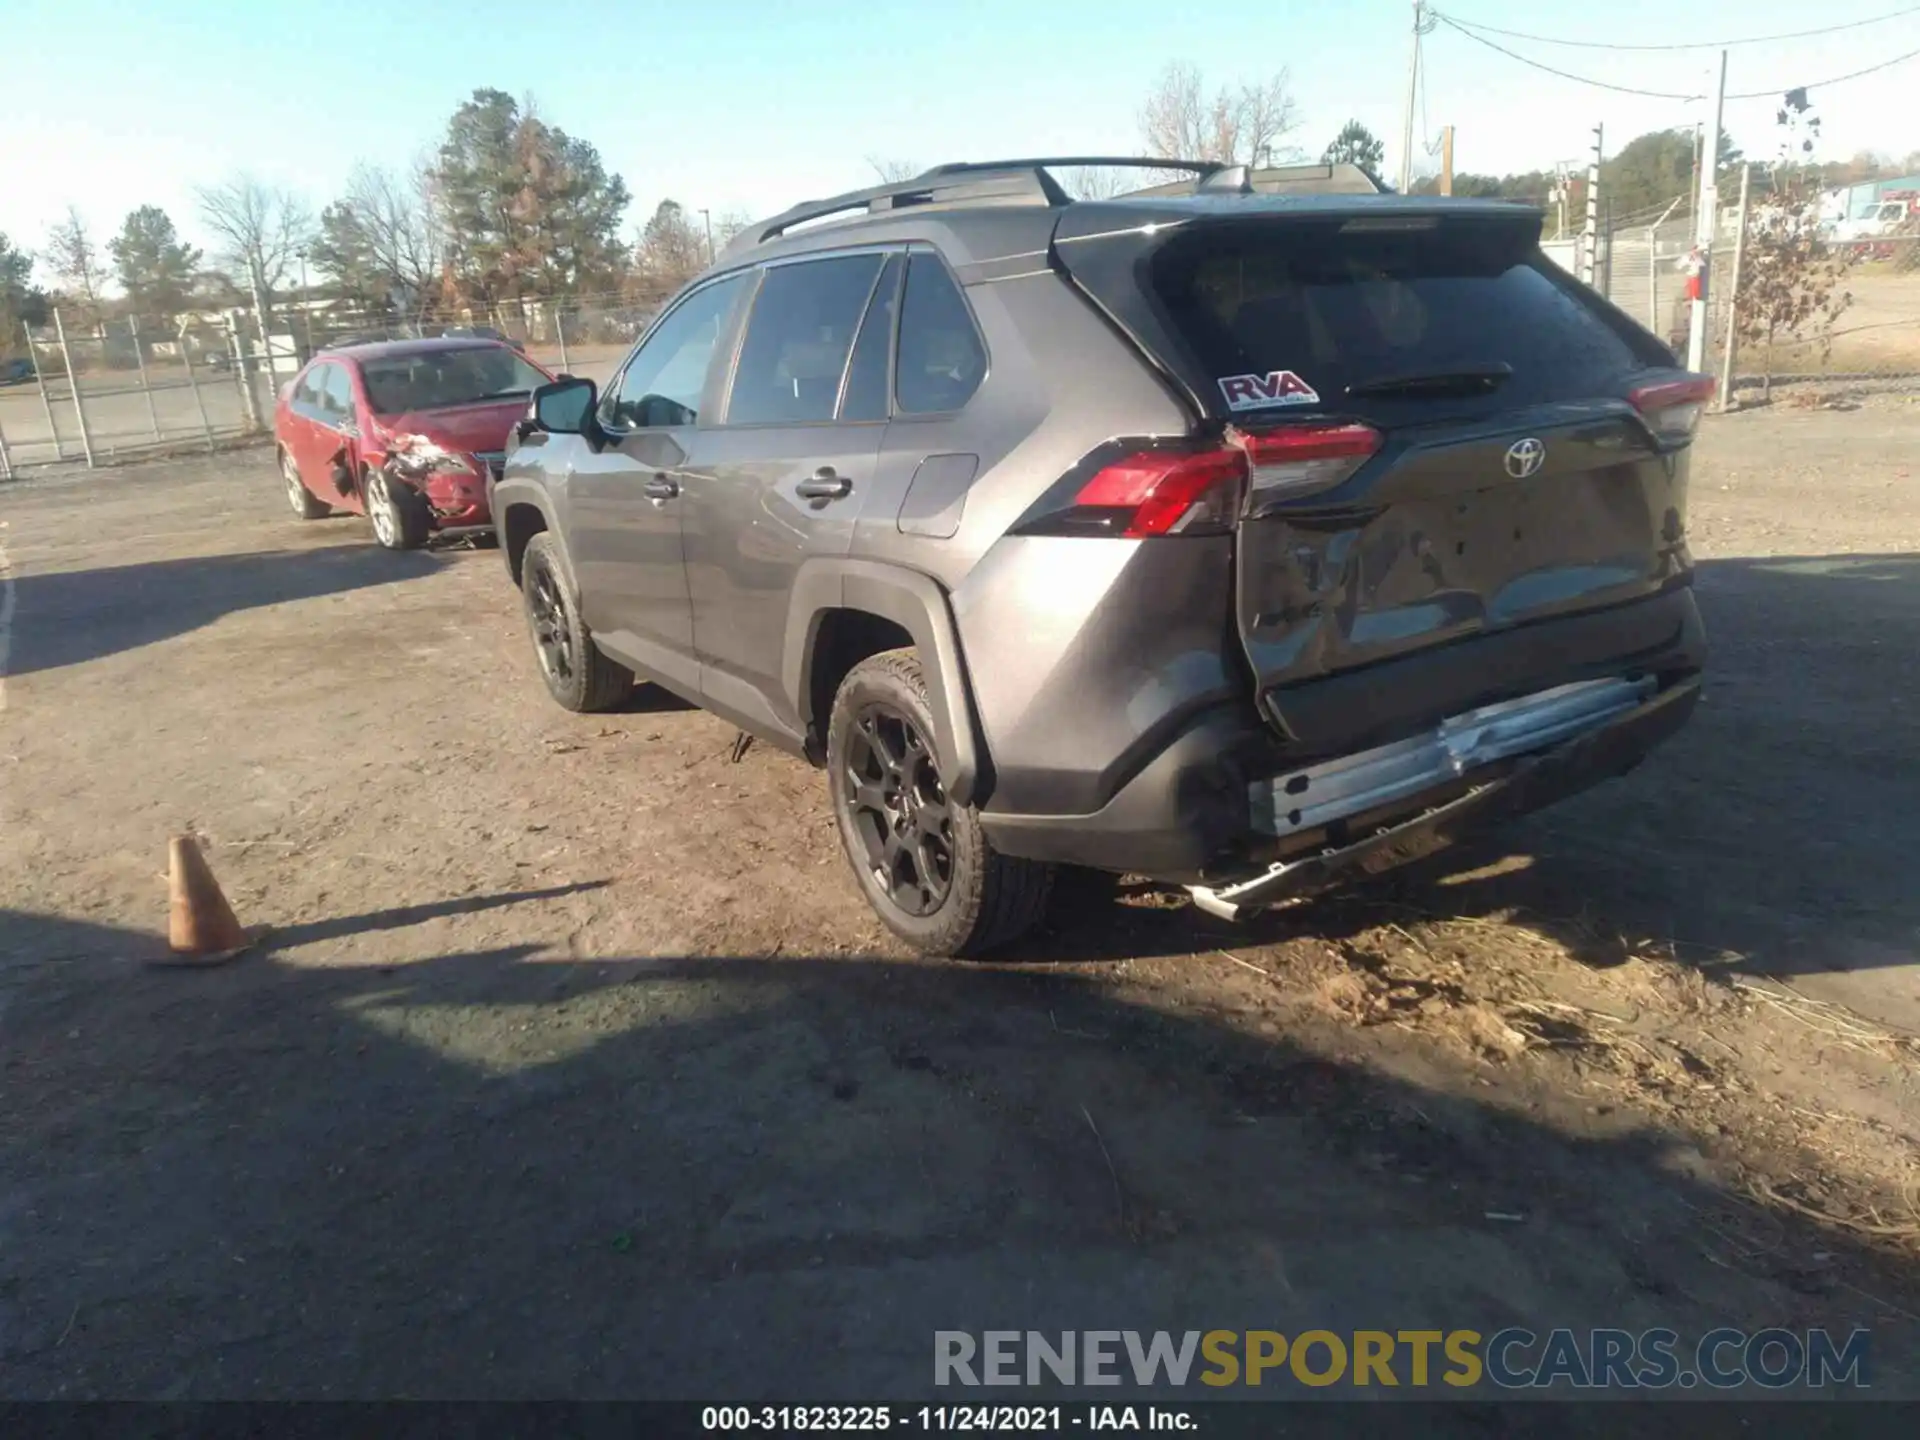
point(918, 605)
point(510, 493)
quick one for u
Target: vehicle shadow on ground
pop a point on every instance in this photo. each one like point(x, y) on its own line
point(480, 1177)
point(73, 616)
point(1775, 834)
point(651, 699)
point(399, 916)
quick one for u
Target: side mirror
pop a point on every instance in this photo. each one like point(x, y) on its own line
point(562, 408)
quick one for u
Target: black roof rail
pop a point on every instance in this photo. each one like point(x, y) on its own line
point(988, 182)
point(984, 185)
point(1067, 162)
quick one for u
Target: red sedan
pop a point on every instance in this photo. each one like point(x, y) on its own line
point(405, 432)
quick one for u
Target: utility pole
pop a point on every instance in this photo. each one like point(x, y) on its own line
point(1733, 291)
point(1705, 223)
point(1446, 160)
point(1590, 236)
point(1413, 83)
point(704, 215)
point(1699, 133)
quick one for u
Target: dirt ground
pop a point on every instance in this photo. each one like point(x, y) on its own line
point(575, 1066)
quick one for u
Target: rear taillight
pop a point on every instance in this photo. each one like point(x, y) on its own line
point(1157, 492)
point(1673, 408)
point(1297, 460)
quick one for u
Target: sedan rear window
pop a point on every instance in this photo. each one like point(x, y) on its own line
point(441, 379)
point(1339, 307)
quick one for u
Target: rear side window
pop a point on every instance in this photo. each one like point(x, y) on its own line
point(798, 339)
point(337, 396)
point(942, 361)
point(1338, 309)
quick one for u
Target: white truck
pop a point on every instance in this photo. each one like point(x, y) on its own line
point(1866, 233)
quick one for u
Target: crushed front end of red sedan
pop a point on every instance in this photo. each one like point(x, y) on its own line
point(407, 432)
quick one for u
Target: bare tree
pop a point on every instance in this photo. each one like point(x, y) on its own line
point(728, 224)
point(1108, 181)
point(401, 225)
point(1789, 279)
point(1234, 125)
point(1789, 275)
point(893, 172)
point(75, 261)
point(261, 229)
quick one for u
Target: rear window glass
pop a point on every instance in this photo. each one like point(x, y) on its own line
point(1339, 309)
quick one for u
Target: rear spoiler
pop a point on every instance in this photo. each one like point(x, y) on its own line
point(1290, 180)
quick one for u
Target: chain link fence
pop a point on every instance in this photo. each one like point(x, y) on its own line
point(107, 389)
point(104, 390)
point(1874, 343)
point(99, 390)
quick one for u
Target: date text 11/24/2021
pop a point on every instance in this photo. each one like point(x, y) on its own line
point(976, 1419)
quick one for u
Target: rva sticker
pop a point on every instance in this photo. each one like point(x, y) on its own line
point(1276, 387)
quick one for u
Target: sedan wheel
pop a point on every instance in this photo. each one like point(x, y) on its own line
point(380, 509)
point(399, 515)
point(305, 503)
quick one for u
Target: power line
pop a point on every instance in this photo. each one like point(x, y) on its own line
point(1554, 70)
point(1822, 84)
point(1689, 45)
point(1665, 94)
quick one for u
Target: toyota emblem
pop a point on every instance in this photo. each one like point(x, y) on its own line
point(1524, 457)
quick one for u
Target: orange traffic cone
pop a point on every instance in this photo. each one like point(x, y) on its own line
point(201, 926)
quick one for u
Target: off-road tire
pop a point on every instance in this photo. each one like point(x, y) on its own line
point(588, 681)
point(990, 899)
point(306, 504)
point(398, 512)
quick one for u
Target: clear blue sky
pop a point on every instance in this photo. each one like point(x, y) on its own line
point(753, 104)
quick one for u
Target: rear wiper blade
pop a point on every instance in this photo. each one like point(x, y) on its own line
point(1461, 380)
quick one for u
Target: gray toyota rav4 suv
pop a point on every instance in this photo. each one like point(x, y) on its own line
point(1239, 540)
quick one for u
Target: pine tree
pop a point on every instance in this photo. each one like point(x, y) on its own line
point(1357, 145)
point(155, 267)
point(531, 209)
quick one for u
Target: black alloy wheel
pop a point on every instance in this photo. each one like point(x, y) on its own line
point(579, 675)
point(552, 627)
point(899, 810)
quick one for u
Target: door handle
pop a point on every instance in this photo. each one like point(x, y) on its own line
point(824, 484)
point(660, 487)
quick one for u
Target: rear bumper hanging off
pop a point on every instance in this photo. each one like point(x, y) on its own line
point(1532, 752)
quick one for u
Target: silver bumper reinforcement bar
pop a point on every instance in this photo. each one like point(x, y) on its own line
point(1317, 796)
